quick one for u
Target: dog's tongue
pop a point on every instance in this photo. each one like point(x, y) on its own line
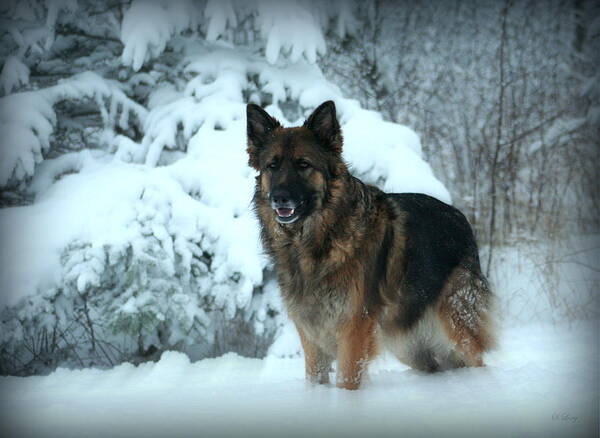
point(285, 212)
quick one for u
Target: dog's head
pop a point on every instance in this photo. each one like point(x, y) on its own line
point(297, 164)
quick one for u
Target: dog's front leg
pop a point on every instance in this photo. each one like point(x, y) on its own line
point(317, 364)
point(356, 347)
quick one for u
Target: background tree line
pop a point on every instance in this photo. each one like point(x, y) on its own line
point(505, 96)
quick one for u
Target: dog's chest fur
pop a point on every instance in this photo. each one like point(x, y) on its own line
point(317, 292)
point(320, 274)
point(319, 311)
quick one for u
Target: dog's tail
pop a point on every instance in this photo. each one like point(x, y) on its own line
point(466, 312)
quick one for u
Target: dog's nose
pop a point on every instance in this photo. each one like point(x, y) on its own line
point(281, 197)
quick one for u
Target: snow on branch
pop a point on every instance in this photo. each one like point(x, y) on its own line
point(291, 28)
point(26, 123)
point(147, 27)
point(107, 94)
point(27, 119)
point(220, 14)
point(14, 74)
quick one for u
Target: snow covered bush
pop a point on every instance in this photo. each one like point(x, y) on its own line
point(130, 229)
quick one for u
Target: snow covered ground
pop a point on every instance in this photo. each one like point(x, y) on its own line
point(542, 381)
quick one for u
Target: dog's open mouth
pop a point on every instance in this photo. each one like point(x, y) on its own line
point(285, 212)
point(287, 215)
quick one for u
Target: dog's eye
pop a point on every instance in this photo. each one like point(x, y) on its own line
point(272, 165)
point(303, 164)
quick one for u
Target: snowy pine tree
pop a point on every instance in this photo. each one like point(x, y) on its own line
point(127, 228)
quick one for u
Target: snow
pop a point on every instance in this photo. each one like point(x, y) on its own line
point(14, 74)
point(27, 119)
point(148, 26)
point(374, 163)
point(109, 203)
point(290, 28)
point(55, 7)
point(144, 33)
point(219, 14)
point(26, 122)
point(542, 381)
point(547, 281)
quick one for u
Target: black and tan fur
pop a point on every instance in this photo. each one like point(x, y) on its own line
point(360, 269)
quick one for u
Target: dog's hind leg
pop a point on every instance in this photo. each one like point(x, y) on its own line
point(451, 360)
point(423, 359)
point(465, 313)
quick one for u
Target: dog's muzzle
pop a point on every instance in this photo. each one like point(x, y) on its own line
point(286, 208)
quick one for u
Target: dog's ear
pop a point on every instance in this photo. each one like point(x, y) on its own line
point(259, 126)
point(324, 124)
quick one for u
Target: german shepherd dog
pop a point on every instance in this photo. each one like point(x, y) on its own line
point(360, 269)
